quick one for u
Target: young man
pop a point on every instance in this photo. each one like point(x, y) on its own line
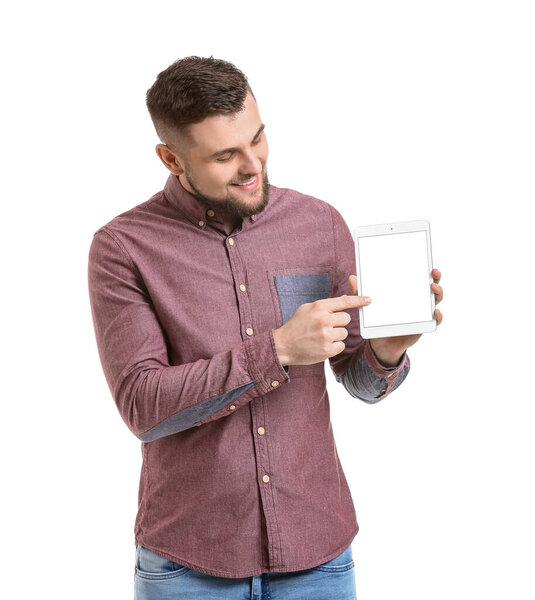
point(215, 305)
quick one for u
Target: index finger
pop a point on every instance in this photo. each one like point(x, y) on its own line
point(345, 301)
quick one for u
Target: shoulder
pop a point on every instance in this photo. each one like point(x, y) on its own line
point(134, 216)
point(296, 199)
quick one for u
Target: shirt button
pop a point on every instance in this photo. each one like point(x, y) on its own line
point(210, 213)
point(249, 331)
point(261, 431)
point(231, 241)
point(242, 287)
point(274, 383)
point(232, 407)
point(201, 223)
point(265, 479)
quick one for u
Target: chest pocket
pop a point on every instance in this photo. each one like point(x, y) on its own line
point(294, 290)
point(296, 286)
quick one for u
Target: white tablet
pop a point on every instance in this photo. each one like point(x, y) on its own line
point(394, 265)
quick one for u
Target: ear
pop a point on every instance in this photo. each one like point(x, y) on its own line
point(169, 159)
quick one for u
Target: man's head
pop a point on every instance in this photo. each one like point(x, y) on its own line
point(206, 117)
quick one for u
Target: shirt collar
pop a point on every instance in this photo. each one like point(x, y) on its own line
point(193, 208)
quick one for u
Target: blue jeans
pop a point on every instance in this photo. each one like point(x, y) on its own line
point(158, 578)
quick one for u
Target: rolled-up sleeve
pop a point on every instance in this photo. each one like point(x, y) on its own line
point(155, 398)
point(357, 367)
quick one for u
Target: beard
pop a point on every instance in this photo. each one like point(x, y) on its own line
point(232, 205)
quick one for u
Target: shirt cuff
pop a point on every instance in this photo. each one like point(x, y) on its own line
point(263, 362)
point(390, 374)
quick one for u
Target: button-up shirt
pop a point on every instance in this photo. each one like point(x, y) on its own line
point(240, 472)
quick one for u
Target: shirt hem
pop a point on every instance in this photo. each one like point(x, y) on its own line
point(265, 569)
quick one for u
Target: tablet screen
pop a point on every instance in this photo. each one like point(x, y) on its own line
point(394, 273)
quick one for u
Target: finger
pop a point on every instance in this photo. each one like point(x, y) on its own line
point(353, 283)
point(343, 302)
point(438, 291)
point(339, 334)
point(438, 316)
point(436, 275)
point(340, 319)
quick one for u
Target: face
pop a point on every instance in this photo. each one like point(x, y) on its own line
point(227, 151)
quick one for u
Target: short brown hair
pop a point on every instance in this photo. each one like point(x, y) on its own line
point(191, 89)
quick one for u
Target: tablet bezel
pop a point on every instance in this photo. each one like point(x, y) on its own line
point(379, 331)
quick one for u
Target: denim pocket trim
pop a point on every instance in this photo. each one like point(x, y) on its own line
point(338, 564)
point(169, 568)
point(312, 282)
point(297, 289)
point(292, 287)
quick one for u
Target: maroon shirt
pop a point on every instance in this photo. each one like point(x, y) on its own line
point(240, 471)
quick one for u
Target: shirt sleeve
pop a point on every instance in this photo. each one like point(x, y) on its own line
point(357, 367)
point(155, 398)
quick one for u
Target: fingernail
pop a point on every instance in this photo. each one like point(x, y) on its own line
point(367, 299)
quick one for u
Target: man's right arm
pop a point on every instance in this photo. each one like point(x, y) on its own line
point(155, 398)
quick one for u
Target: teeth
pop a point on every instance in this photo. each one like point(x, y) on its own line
point(247, 182)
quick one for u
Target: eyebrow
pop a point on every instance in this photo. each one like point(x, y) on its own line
point(226, 150)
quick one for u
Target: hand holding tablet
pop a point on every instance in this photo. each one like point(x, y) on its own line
point(394, 268)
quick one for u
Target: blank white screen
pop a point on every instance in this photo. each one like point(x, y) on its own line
point(394, 273)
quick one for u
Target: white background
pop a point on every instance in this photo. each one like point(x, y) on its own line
point(390, 111)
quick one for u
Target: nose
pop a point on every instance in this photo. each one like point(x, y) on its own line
point(251, 164)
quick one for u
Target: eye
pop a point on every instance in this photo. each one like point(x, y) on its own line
point(255, 143)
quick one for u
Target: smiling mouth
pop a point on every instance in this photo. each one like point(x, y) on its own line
point(251, 184)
